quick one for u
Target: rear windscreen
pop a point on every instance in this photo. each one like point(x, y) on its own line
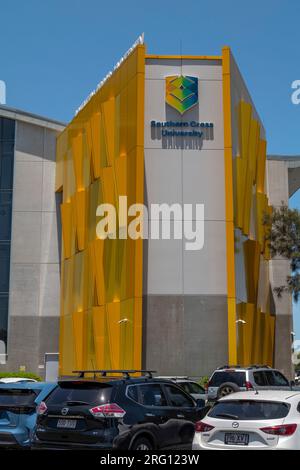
point(249, 409)
point(80, 393)
point(220, 378)
point(17, 397)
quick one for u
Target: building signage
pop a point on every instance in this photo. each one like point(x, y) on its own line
point(181, 92)
point(181, 128)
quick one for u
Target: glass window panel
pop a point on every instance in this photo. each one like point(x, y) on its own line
point(7, 129)
point(6, 165)
point(3, 318)
point(5, 215)
point(4, 266)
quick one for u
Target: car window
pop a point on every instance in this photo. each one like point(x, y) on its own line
point(79, 391)
point(260, 379)
point(276, 379)
point(249, 410)
point(15, 397)
point(280, 379)
point(219, 378)
point(191, 387)
point(147, 394)
point(178, 398)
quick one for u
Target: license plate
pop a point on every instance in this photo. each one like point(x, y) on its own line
point(67, 423)
point(236, 438)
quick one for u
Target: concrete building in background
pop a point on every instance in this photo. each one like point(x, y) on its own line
point(29, 241)
point(170, 130)
point(283, 182)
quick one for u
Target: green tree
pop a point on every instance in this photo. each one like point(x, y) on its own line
point(284, 240)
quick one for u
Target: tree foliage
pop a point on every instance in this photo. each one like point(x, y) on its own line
point(284, 241)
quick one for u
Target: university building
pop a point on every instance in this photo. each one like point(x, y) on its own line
point(167, 130)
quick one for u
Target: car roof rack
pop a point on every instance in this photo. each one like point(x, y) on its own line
point(126, 373)
point(228, 366)
point(252, 366)
point(259, 366)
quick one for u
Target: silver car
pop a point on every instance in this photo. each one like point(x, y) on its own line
point(231, 379)
point(189, 386)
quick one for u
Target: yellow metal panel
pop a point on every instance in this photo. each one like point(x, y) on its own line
point(80, 203)
point(95, 124)
point(98, 314)
point(108, 112)
point(102, 156)
point(78, 334)
point(261, 166)
point(228, 175)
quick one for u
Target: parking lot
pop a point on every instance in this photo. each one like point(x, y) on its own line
point(253, 407)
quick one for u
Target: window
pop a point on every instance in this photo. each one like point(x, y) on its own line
point(147, 394)
point(7, 129)
point(7, 136)
point(279, 379)
point(191, 387)
point(276, 379)
point(14, 397)
point(177, 398)
point(4, 266)
point(6, 165)
point(219, 378)
point(92, 393)
point(260, 379)
point(5, 215)
point(249, 410)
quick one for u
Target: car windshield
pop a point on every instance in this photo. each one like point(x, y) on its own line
point(14, 397)
point(249, 410)
point(78, 392)
point(220, 378)
point(191, 387)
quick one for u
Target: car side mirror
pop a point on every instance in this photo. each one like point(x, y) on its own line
point(200, 403)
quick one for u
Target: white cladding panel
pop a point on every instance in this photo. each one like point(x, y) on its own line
point(186, 170)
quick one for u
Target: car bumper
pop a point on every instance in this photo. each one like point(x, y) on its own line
point(14, 440)
point(37, 444)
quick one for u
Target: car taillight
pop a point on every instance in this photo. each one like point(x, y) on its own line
point(280, 430)
point(202, 427)
point(109, 410)
point(249, 386)
point(42, 408)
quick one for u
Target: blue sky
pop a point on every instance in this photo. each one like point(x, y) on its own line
point(53, 53)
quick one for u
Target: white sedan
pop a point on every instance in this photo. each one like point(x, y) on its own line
point(265, 420)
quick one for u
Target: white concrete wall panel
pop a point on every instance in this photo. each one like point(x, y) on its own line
point(186, 170)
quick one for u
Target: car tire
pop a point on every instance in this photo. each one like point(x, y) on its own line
point(142, 443)
point(227, 388)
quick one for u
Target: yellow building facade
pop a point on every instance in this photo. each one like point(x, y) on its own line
point(108, 290)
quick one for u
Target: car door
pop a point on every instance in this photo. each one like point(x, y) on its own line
point(155, 416)
point(184, 412)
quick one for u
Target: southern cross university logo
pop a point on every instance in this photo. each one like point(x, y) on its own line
point(181, 92)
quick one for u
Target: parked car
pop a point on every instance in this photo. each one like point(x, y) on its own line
point(189, 386)
point(116, 412)
point(18, 403)
point(231, 379)
point(10, 380)
point(297, 377)
point(263, 420)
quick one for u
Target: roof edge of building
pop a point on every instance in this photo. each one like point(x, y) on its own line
point(35, 119)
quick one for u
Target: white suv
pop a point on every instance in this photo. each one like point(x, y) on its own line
point(231, 379)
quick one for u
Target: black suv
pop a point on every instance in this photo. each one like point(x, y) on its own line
point(117, 412)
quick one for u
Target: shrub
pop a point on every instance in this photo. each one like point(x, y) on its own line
point(25, 375)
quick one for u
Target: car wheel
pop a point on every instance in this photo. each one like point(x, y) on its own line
point(142, 443)
point(227, 388)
